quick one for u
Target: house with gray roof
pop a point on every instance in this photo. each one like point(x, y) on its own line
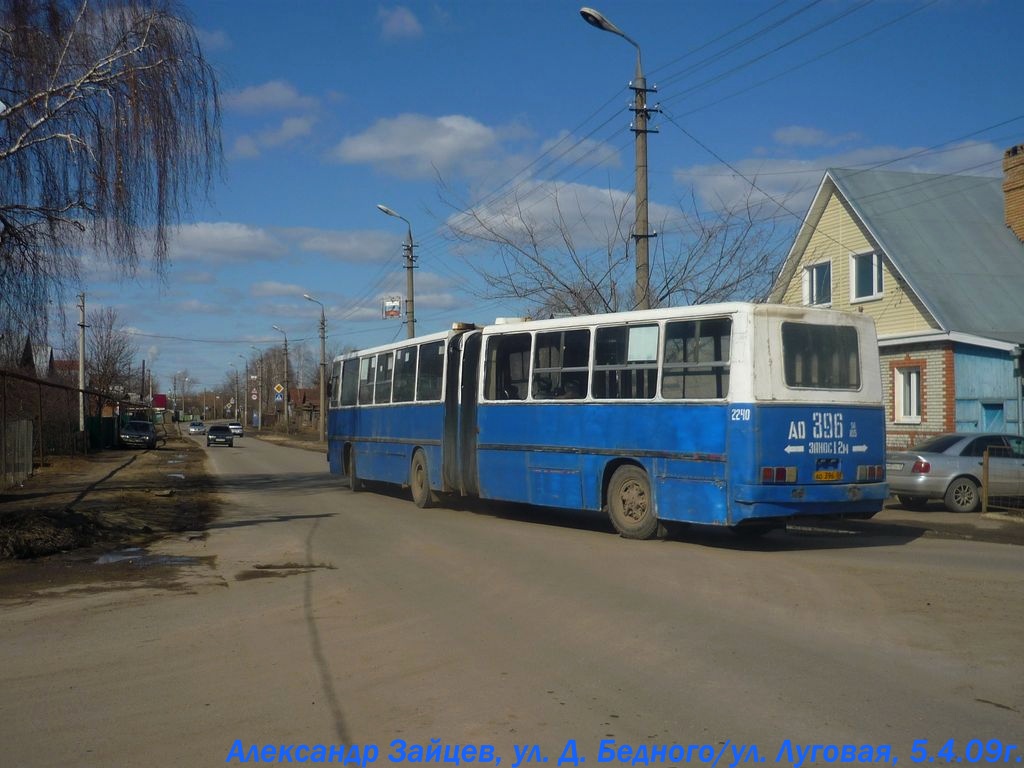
point(938, 262)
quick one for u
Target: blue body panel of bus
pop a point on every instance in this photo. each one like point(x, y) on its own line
point(384, 438)
point(704, 459)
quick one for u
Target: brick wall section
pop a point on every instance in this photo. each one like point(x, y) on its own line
point(1013, 188)
point(938, 397)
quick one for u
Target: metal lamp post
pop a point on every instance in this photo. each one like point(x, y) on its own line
point(641, 112)
point(234, 412)
point(259, 387)
point(410, 314)
point(287, 425)
point(323, 362)
point(245, 393)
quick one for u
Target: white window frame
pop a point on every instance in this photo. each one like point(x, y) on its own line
point(906, 379)
point(877, 277)
point(808, 284)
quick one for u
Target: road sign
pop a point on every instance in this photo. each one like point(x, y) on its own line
point(278, 388)
point(255, 397)
point(278, 398)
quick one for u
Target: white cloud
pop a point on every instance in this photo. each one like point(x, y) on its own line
point(213, 39)
point(414, 146)
point(346, 245)
point(224, 241)
point(398, 23)
point(274, 95)
point(273, 288)
point(806, 136)
point(592, 216)
point(291, 128)
point(793, 180)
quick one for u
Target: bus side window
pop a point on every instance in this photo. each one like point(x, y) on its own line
point(626, 362)
point(334, 393)
point(431, 369)
point(349, 381)
point(405, 375)
point(367, 366)
point(561, 365)
point(385, 370)
point(508, 366)
point(696, 363)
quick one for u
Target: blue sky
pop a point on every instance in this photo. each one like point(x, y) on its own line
point(333, 107)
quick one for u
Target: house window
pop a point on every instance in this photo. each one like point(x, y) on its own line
point(866, 269)
point(908, 395)
point(818, 283)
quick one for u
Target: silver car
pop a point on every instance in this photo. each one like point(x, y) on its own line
point(949, 467)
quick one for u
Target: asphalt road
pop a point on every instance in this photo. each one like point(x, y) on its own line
point(315, 616)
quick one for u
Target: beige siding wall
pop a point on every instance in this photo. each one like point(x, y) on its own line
point(837, 236)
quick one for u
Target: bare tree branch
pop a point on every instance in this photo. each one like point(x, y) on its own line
point(110, 123)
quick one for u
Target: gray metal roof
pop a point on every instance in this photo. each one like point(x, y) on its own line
point(946, 235)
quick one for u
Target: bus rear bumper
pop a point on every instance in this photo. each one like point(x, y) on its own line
point(785, 501)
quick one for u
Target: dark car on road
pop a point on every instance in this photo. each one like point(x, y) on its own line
point(220, 434)
point(138, 433)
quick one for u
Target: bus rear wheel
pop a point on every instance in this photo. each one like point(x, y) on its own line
point(630, 505)
point(419, 481)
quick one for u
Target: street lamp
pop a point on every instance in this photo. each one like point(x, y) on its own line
point(259, 387)
point(410, 314)
point(184, 397)
point(234, 412)
point(641, 112)
point(323, 360)
point(287, 426)
point(245, 393)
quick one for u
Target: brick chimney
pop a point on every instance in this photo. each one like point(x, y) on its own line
point(1013, 188)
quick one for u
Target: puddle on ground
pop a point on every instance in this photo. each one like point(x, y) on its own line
point(142, 558)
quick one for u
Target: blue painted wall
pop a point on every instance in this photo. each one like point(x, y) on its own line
point(986, 390)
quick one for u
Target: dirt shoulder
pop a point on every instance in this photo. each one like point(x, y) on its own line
point(116, 497)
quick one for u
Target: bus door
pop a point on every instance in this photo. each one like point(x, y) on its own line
point(468, 397)
point(459, 470)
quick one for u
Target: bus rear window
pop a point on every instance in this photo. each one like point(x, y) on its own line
point(820, 356)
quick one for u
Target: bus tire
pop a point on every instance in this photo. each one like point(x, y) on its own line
point(354, 483)
point(630, 506)
point(419, 481)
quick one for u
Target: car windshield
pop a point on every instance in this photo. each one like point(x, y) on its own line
point(218, 429)
point(141, 425)
point(938, 444)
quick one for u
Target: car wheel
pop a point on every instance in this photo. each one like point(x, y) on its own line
point(912, 502)
point(630, 506)
point(962, 495)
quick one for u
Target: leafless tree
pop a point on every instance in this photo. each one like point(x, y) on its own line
point(109, 352)
point(109, 123)
point(699, 257)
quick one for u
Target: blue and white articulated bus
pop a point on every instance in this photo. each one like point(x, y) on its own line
point(740, 415)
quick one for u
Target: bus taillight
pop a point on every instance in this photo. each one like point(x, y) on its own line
point(870, 473)
point(778, 475)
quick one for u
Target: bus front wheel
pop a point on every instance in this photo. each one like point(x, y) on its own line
point(419, 481)
point(630, 505)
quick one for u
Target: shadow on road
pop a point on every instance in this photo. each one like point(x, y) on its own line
point(807, 534)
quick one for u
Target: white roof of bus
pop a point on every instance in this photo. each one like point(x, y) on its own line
point(635, 316)
point(671, 313)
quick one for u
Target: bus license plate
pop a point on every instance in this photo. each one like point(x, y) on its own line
point(822, 474)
